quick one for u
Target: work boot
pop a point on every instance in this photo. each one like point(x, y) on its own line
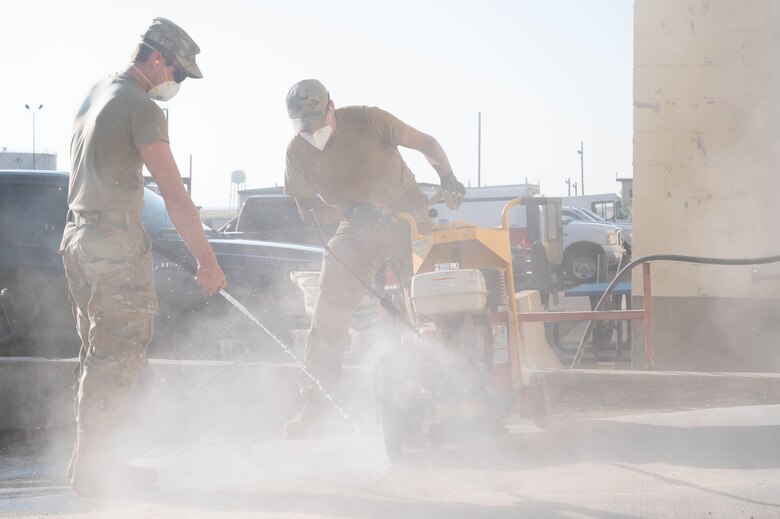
point(304, 423)
point(112, 479)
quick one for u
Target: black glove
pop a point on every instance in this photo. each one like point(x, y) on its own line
point(454, 191)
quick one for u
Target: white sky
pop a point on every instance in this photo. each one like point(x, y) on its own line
point(545, 74)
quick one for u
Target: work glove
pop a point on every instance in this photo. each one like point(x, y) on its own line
point(454, 191)
point(369, 214)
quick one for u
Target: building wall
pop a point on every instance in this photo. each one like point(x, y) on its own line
point(24, 160)
point(706, 182)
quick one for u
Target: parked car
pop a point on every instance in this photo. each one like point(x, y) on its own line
point(190, 324)
point(584, 242)
point(275, 218)
point(587, 215)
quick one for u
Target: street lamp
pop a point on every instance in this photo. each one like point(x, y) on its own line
point(33, 112)
point(581, 152)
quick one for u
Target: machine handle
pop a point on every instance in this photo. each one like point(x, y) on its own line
point(505, 212)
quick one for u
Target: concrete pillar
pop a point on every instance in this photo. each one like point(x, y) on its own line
point(706, 180)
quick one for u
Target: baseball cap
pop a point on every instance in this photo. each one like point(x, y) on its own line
point(307, 104)
point(173, 42)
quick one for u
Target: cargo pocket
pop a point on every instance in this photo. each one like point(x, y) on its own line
point(119, 340)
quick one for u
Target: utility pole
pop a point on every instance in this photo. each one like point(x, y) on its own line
point(581, 151)
point(574, 185)
point(33, 112)
point(568, 184)
point(479, 149)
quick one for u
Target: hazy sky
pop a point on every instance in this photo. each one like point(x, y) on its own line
point(545, 74)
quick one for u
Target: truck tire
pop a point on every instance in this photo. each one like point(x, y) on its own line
point(580, 263)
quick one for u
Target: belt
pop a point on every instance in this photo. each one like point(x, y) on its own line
point(82, 217)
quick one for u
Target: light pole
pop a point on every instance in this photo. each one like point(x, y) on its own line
point(581, 151)
point(33, 112)
point(479, 149)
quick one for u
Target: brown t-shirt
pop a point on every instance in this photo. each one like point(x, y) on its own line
point(115, 120)
point(360, 163)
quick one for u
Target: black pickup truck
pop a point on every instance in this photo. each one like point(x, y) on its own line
point(33, 208)
point(275, 218)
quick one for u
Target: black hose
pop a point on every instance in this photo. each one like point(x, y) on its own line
point(383, 299)
point(660, 257)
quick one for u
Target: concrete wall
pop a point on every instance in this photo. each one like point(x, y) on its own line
point(706, 182)
point(23, 160)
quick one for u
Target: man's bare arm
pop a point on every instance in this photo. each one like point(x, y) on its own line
point(428, 146)
point(159, 161)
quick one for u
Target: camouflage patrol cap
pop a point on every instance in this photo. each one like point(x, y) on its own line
point(168, 38)
point(307, 104)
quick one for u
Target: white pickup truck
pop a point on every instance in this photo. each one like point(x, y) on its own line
point(584, 242)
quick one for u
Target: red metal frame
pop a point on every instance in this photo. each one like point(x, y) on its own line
point(645, 314)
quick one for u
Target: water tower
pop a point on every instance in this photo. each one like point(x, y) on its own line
point(237, 183)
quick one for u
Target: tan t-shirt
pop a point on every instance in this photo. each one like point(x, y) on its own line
point(360, 163)
point(115, 120)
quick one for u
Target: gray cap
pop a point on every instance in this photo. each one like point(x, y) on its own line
point(168, 38)
point(307, 104)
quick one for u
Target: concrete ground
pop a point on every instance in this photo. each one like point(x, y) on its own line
point(617, 444)
point(720, 462)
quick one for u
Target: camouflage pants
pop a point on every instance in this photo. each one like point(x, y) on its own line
point(360, 250)
point(108, 263)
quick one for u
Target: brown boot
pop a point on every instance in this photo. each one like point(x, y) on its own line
point(306, 420)
point(112, 479)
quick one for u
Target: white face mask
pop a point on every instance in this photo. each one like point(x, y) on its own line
point(165, 90)
point(319, 138)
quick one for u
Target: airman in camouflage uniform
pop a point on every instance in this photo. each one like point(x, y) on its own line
point(108, 254)
point(349, 158)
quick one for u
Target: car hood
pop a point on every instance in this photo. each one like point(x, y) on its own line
point(592, 225)
point(232, 252)
point(249, 246)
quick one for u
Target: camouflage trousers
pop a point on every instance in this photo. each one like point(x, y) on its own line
point(108, 263)
point(359, 250)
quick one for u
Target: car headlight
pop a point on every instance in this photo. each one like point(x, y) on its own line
point(613, 238)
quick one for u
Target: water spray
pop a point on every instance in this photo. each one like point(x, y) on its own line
point(186, 265)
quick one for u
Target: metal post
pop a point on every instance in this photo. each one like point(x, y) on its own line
point(574, 185)
point(648, 300)
point(568, 184)
point(189, 187)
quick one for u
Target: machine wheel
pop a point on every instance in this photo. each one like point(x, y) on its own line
point(581, 263)
point(399, 413)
